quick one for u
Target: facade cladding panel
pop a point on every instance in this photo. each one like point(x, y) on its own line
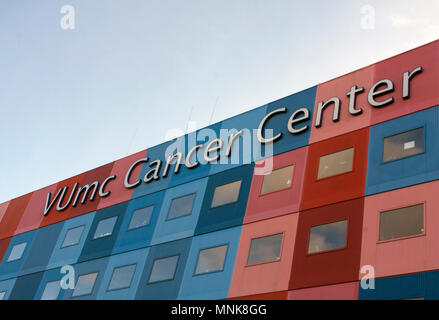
point(296, 199)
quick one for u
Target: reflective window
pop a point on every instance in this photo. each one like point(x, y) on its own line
point(141, 217)
point(402, 222)
point(181, 206)
point(73, 236)
point(121, 277)
point(227, 193)
point(328, 236)
point(2, 295)
point(335, 163)
point(84, 285)
point(163, 269)
point(51, 291)
point(17, 252)
point(265, 249)
point(105, 228)
point(277, 180)
point(403, 145)
point(211, 259)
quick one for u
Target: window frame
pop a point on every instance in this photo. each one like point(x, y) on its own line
point(409, 156)
point(92, 288)
point(346, 246)
point(65, 236)
point(179, 197)
point(354, 157)
point(194, 274)
point(131, 280)
point(268, 261)
point(112, 230)
point(47, 282)
point(175, 270)
point(226, 204)
point(145, 225)
point(22, 253)
point(279, 190)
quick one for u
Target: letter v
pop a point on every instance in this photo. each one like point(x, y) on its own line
point(46, 207)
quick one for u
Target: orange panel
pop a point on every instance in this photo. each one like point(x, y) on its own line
point(12, 216)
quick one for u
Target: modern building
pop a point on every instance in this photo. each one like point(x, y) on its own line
point(329, 193)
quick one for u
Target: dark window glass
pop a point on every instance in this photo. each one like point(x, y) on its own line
point(140, 218)
point(328, 236)
point(403, 145)
point(121, 277)
point(181, 206)
point(402, 222)
point(335, 163)
point(227, 193)
point(211, 259)
point(73, 236)
point(84, 285)
point(265, 249)
point(105, 228)
point(163, 269)
point(277, 180)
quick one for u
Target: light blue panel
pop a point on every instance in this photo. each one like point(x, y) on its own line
point(11, 269)
point(7, 286)
point(182, 227)
point(140, 237)
point(50, 276)
point(137, 257)
point(69, 255)
point(415, 169)
point(214, 285)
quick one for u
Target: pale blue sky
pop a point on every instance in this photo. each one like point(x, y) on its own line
point(72, 100)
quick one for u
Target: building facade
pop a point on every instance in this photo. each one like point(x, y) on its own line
point(329, 193)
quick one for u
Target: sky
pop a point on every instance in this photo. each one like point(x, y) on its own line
point(131, 72)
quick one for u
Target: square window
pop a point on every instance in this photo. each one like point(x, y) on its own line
point(73, 236)
point(181, 206)
point(227, 193)
point(105, 228)
point(403, 222)
point(335, 163)
point(403, 145)
point(84, 285)
point(140, 218)
point(328, 236)
point(121, 277)
point(2, 295)
point(265, 249)
point(17, 252)
point(211, 259)
point(278, 179)
point(163, 269)
point(51, 291)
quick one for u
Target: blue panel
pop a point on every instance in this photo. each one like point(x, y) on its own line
point(214, 285)
point(6, 286)
point(229, 215)
point(42, 248)
point(164, 289)
point(184, 226)
point(70, 254)
point(140, 237)
point(415, 285)
point(26, 286)
point(407, 171)
point(11, 269)
point(101, 247)
point(50, 276)
point(137, 257)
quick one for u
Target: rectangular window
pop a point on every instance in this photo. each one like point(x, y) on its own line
point(73, 236)
point(265, 249)
point(227, 193)
point(335, 163)
point(140, 218)
point(211, 259)
point(84, 285)
point(163, 269)
point(51, 291)
point(277, 180)
point(181, 206)
point(105, 228)
point(328, 236)
point(121, 277)
point(403, 145)
point(402, 222)
point(17, 252)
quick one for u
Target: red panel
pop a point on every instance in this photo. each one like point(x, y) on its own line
point(118, 192)
point(279, 202)
point(282, 295)
point(3, 207)
point(423, 86)
point(330, 267)
point(98, 174)
point(349, 185)
point(342, 291)
point(12, 215)
point(4, 244)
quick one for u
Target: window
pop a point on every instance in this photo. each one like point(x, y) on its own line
point(403, 145)
point(402, 222)
point(226, 193)
point(265, 249)
point(211, 259)
point(121, 277)
point(277, 180)
point(17, 252)
point(328, 237)
point(84, 285)
point(335, 163)
point(51, 291)
point(72, 237)
point(163, 269)
point(105, 228)
point(181, 206)
point(2, 295)
point(140, 218)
